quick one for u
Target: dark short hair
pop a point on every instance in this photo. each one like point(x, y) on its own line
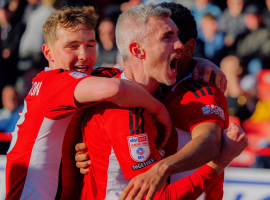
point(183, 19)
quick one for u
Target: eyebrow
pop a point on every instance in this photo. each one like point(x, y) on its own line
point(76, 41)
point(168, 32)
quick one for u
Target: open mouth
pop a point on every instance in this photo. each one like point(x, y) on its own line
point(81, 69)
point(173, 65)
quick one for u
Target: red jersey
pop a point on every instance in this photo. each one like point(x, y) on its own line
point(191, 103)
point(121, 145)
point(34, 156)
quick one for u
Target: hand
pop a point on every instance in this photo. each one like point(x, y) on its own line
point(148, 183)
point(82, 158)
point(234, 141)
point(208, 69)
point(165, 124)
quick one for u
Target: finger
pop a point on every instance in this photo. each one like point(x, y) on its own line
point(166, 138)
point(151, 193)
point(79, 157)
point(195, 73)
point(80, 146)
point(218, 78)
point(206, 75)
point(126, 191)
point(223, 83)
point(133, 193)
point(225, 131)
point(84, 164)
point(143, 191)
point(84, 171)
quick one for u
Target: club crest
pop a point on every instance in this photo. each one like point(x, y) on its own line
point(139, 147)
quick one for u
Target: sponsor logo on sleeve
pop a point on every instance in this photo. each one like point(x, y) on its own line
point(139, 149)
point(77, 75)
point(209, 109)
point(143, 164)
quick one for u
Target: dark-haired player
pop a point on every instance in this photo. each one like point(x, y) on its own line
point(122, 142)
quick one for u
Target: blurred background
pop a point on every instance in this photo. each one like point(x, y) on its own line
point(234, 34)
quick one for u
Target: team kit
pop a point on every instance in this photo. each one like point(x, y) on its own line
point(152, 123)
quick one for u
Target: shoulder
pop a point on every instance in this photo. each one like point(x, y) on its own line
point(188, 90)
point(106, 72)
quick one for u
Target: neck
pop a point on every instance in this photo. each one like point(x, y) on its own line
point(136, 73)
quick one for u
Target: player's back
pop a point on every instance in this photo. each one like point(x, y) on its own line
point(34, 156)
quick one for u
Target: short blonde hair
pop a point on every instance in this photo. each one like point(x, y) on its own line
point(132, 25)
point(69, 17)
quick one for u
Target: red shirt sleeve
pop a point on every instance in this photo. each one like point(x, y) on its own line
point(190, 187)
point(108, 72)
point(133, 135)
point(58, 93)
point(192, 103)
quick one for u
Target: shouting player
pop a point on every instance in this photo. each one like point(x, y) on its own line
point(34, 156)
point(122, 142)
point(199, 112)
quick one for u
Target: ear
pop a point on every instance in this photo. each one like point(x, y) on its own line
point(136, 50)
point(189, 48)
point(47, 51)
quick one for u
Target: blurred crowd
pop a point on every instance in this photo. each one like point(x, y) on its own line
point(234, 34)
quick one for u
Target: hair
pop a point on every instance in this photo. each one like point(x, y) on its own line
point(69, 17)
point(209, 16)
point(184, 20)
point(131, 25)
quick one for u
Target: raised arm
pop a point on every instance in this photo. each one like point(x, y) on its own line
point(209, 70)
point(125, 94)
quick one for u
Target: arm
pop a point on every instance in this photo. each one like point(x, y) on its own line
point(204, 147)
point(123, 93)
point(205, 68)
point(234, 142)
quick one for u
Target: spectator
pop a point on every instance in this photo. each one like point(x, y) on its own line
point(255, 43)
point(266, 14)
point(32, 40)
point(9, 113)
point(106, 48)
point(24, 83)
point(212, 39)
point(232, 22)
point(113, 11)
point(201, 7)
point(11, 32)
point(30, 7)
point(230, 65)
point(261, 112)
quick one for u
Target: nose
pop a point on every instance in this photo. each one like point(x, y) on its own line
point(82, 53)
point(178, 46)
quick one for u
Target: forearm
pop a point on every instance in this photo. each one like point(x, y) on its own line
point(130, 94)
point(121, 92)
point(194, 154)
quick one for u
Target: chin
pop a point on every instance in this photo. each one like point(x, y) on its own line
point(170, 82)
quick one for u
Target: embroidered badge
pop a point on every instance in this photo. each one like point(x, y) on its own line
point(77, 75)
point(213, 109)
point(139, 149)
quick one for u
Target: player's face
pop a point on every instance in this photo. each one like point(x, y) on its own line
point(75, 49)
point(163, 50)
